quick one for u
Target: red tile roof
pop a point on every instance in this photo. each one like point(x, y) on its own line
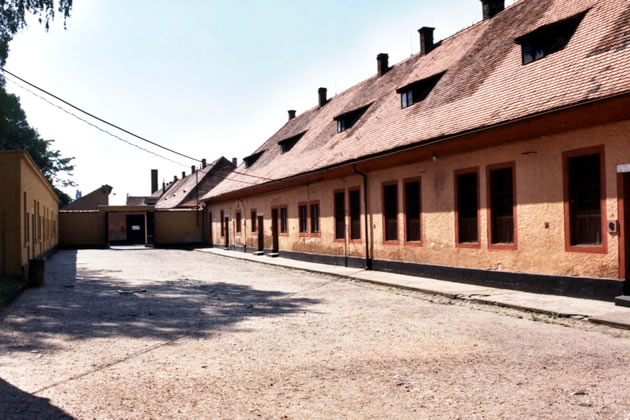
point(183, 193)
point(485, 84)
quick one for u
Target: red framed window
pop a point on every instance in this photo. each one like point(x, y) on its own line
point(238, 222)
point(303, 218)
point(355, 213)
point(501, 192)
point(253, 220)
point(314, 217)
point(390, 211)
point(467, 208)
point(413, 211)
point(340, 215)
point(222, 225)
point(585, 200)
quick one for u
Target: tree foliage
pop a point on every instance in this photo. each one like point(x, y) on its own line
point(15, 132)
point(13, 17)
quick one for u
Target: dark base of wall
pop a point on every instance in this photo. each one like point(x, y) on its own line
point(190, 246)
point(580, 287)
point(70, 247)
point(46, 255)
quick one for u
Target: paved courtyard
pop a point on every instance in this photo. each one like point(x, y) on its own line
point(184, 334)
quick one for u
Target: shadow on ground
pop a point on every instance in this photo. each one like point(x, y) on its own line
point(17, 404)
point(84, 304)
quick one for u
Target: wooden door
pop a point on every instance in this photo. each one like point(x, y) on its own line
point(274, 230)
point(261, 234)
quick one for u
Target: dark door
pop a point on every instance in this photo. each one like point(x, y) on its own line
point(135, 228)
point(274, 229)
point(211, 239)
point(227, 232)
point(626, 227)
point(261, 234)
point(150, 227)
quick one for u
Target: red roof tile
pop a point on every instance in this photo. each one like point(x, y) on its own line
point(485, 84)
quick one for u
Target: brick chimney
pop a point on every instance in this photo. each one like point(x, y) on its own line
point(154, 180)
point(174, 178)
point(322, 96)
point(192, 169)
point(183, 174)
point(291, 114)
point(426, 40)
point(203, 163)
point(382, 62)
point(234, 162)
point(491, 7)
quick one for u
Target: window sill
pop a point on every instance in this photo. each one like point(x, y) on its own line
point(470, 245)
point(503, 247)
point(315, 235)
point(392, 242)
point(413, 243)
point(588, 249)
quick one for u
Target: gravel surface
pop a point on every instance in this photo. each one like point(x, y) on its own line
point(184, 334)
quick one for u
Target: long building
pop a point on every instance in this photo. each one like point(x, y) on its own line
point(499, 155)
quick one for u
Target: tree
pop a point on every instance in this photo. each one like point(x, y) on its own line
point(15, 132)
point(13, 17)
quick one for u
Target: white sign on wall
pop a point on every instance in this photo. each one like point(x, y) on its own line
point(135, 227)
point(260, 213)
point(622, 169)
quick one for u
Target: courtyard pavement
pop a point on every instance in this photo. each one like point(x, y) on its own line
point(592, 310)
point(184, 334)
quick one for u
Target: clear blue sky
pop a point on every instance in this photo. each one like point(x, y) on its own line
point(206, 78)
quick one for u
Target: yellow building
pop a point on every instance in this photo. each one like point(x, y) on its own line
point(29, 211)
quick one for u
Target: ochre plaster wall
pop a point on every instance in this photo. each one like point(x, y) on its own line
point(178, 227)
point(11, 234)
point(42, 202)
point(82, 229)
point(539, 196)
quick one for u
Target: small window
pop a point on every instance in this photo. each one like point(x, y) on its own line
point(467, 194)
point(340, 217)
point(418, 91)
point(253, 221)
point(222, 225)
point(238, 222)
point(390, 204)
point(355, 214)
point(585, 199)
point(412, 212)
point(250, 160)
point(548, 39)
point(287, 144)
point(314, 218)
point(501, 206)
point(303, 218)
point(283, 220)
point(348, 119)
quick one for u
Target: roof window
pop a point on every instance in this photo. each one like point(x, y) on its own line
point(548, 39)
point(288, 143)
point(249, 160)
point(348, 119)
point(418, 91)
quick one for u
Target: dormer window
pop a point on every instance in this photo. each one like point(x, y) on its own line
point(249, 160)
point(418, 91)
point(288, 143)
point(348, 119)
point(548, 39)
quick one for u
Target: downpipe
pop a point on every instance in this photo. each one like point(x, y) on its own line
point(368, 260)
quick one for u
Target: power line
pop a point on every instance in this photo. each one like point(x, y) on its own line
point(119, 128)
point(95, 126)
point(97, 118)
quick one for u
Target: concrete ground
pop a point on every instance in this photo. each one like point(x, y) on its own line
point(184, 334)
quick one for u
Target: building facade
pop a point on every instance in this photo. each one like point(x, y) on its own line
point(497, 156)
point(29, 213)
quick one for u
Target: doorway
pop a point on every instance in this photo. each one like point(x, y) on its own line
point(135, 229)
point(210, 238)
point(261, 235)
point(274, 230)
point(624, 216)
point(227, 232)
